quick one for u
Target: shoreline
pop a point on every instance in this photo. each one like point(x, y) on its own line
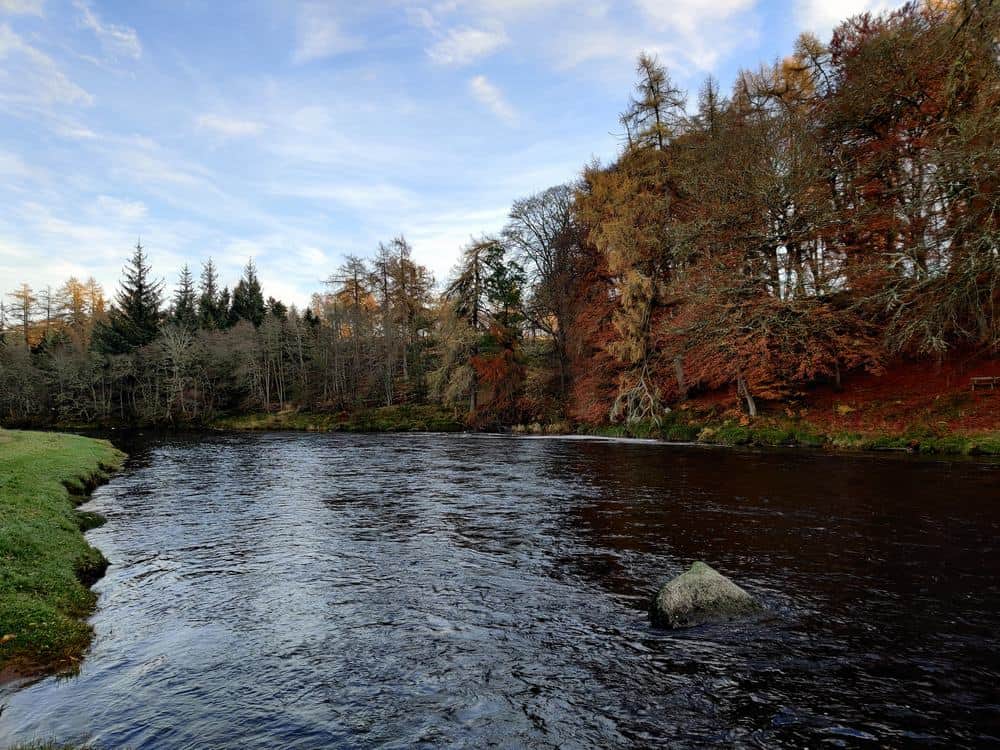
point(45, 592)
point(679, 428)
point(763, 433)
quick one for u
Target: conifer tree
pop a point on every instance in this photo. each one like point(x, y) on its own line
point(185, 313)
point(248, 300)
point(23, 309)
point(211, 313)
point(224, 305)
point(134, 319)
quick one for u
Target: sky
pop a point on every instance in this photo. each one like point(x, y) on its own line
point(296, 132)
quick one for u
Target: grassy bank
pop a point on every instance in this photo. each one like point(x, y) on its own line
point(46, 565)
point(774, 431)
point(428, 418)
point(684, 425)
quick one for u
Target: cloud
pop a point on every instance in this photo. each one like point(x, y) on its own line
point(75, 131)
point(688, 15)
point(22, 7)
point(354, 195)
point(120, 210)
point(13, 167)
point(518, 10)
point(319, 35)
point(493, 99)
point(421, 17)
point(117, 41)
point(462, 46)
point(709, 30)
point(821, 16)
point(229, 127)
point(29, 78)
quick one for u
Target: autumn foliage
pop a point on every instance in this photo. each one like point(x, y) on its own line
point(838, 209)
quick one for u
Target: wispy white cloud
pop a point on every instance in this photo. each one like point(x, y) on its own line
point(229, 127)
point(518, 10)
point(319, 34)
point(117, 41)
point(689, 15)
point(421, 18)
point(821, 16)
point(487, 94)
point(462, 46)
point(74, 131)
point(118, 210)
point(29, 78)
point(701, 33)
point(355, 195)
point(13, 167)
point(23, 7)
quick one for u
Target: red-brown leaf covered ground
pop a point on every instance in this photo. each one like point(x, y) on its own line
point(908, 396)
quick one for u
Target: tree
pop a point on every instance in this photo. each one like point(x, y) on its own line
point(276, 308)
point(23, 310)
point(544, 234)
point(248, 300)
point(48, 307)
point(656, 112)
point(351, 312)
point(225, 308)
point(212, 312)
point(184, 313)
point(486, 295)
point(135, 317)
point(73, 302)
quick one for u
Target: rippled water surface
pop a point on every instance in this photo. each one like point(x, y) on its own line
point(306, 591)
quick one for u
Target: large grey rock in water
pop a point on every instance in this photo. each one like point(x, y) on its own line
point(700, 595)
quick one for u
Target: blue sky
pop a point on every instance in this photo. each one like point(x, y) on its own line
point(300, 132)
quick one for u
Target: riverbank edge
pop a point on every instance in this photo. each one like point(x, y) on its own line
point(49, 567)
point(676, 428)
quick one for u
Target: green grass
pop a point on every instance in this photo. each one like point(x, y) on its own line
point(425, 418)
point(45, 563)
point(986, 444)
point(680, 426)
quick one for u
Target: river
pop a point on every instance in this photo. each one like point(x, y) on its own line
point(306, 591)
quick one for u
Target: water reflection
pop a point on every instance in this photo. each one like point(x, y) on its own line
point(401, 591)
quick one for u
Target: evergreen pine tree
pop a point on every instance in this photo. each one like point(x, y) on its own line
point(185, 313)
point(211, 313)
point(223, 308)
point(134, 319)
point(277, 308)
point(248, 300)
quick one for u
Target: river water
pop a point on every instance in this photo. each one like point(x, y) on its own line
point(307, 591)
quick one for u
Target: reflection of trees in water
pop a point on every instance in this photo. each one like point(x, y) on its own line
point(769, 518)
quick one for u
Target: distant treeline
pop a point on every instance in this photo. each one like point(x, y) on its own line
point(838, 209)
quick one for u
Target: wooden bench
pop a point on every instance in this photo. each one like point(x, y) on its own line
point(986, 382)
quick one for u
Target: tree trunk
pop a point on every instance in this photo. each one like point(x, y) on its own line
point(744, 392)
point(679, 374)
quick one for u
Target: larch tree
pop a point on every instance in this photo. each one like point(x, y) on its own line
point(22, 311)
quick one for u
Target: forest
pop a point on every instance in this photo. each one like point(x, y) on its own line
point(836, 212)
